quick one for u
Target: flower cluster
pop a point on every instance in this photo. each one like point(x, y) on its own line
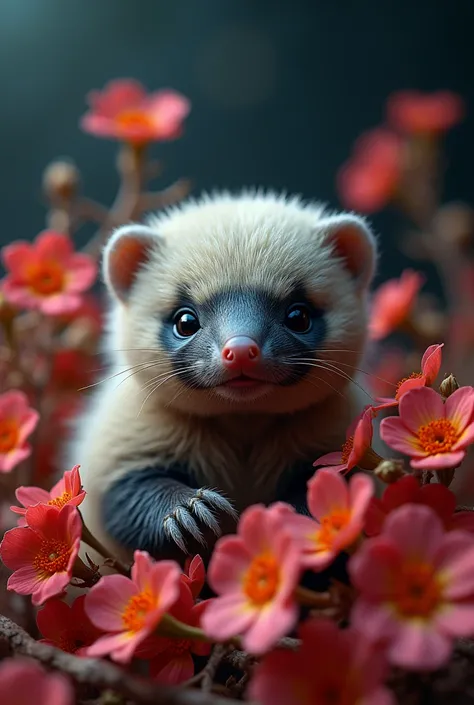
point(326, 598)
point(374, 174)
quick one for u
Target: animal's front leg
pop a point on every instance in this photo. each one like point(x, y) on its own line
point(152, 510)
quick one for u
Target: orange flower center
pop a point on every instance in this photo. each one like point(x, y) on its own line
point(331, 525)
point(136, 610)
point(414, 375)
point(9, 433)
point(134, 119)
point(46, 278)
point(419, 591)
point(262, 579)
point(53, 556)
point(347, 449)
point(61, 500)
point(437, 436)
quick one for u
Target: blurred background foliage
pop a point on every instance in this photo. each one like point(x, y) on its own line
point(279, 90)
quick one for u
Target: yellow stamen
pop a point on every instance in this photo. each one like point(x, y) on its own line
point(414, 375)
point(331, 525)
point(61, 500)
point(419, 591)
point(437, 436)
point(53, 557)
point(136, 610)
point(262, 579)
point(45, 278)
point(9, 433)
point(347, 449)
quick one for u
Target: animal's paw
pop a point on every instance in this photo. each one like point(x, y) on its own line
point(203, 513)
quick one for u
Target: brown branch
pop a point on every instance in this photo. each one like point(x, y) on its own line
point(162, 199)
point(101, 674)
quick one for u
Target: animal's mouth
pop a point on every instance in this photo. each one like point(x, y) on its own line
point(243, 382)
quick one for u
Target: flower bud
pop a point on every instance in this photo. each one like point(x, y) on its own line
point(390, 470)
point(61, 180)
point(448, 386)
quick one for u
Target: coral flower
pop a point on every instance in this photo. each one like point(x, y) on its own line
point(338, 510)
point(393, 302)
point(356, 449)
point(67, 491)
point(368, 181)
point(416, 586)
point(194, 575)
point(47, 274)
point(332, 666)
point(433, 434)
point(42, 554)
point(17, 421)
point(255, 574)
point(67, 627)
point(173, 662)
point(130, 610)
point(408, 490)
point(124, 111)
point(24, 682)
point(430, 366)
point(420, 113)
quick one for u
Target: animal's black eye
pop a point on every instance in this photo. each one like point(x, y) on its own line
point(298, 318)
point(186, 323)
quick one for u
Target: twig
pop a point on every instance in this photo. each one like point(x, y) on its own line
point(162, 199)
point(206, 677)
point(101, 674)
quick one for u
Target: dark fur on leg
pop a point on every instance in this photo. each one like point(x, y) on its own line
point(155, 509)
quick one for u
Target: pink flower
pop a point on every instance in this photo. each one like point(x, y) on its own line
point(130, 610)
point(332, 666)
point(23, 682)
point(338, 509)
point(408, 490)
point(67, 491)
point(420, 113)
point(124, 111)
point(254, 574)
point(416, 586)
point(430, 366)
point(433, 434)
point(356, 449)
point(393, 302)
point(369, 180)
point(194, 575)
point(173, 662)
point(17, 421)
point(42, 554)
point(67, 627)
point(47, 275)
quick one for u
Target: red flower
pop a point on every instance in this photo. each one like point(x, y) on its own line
point(67, 491)
point(124, 111)
point(430, 366)
point(393, 302)
point(414, 112)
point(24, 682)
point(174, 663)
point(47, 274)
point(17, 421)
point(67, 627)
point(408, 490)
point(42, 554)
point(194, 575)
point(333, 666)
point(370, 178)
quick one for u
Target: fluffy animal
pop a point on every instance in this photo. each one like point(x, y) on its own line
point(236, 327)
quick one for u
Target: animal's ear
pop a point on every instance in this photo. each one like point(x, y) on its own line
point(352, 241)
point(128, 249)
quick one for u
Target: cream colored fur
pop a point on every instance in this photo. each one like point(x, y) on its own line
point(252, 240)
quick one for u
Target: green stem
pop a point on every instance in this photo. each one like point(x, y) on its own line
point(94, 543)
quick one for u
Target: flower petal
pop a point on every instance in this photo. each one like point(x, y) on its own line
point(431, 363)
point(105, 602)
point(228, 565)
point(270, 625)
point(418, 646)
point(416, 529)
point(439, 461)
point(326, 491)
point(460, 407)
point(396, 435)
point(420, 406)
point(227, 616)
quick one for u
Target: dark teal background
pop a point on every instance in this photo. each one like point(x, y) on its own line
point(279, 89)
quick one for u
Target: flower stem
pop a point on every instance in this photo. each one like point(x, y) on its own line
point(94, 543)
point(309, 598)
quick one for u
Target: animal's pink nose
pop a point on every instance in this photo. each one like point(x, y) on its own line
point(240, 352)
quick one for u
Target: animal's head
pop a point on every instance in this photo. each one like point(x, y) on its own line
point(250, 303)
